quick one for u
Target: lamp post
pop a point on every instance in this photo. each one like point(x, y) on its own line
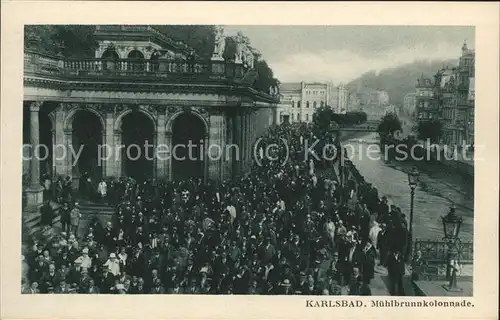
point(451, 227)
point(413, 175)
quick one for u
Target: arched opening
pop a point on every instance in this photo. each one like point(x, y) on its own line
point(138, 140)
point(136, 60)
point(110, 58)
point(188, 133)
point(87, 138)
point(155, 65)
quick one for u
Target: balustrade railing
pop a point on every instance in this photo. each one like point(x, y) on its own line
point(45, 64)
point(41, 64)
point(437, 251)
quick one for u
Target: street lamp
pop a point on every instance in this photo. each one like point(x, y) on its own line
point(451, 227)
point(413, 175)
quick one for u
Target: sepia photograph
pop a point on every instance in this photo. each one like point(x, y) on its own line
point(206, 159)
point(259, 161)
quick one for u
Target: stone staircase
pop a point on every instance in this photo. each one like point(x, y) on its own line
point(89, 208)
point(32, 226)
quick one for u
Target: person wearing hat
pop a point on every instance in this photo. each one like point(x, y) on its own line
point(383, 242)
point(113, 264)
point(368, 262)
point(62, 287)
point(106, 281)
point(85, 259)
point(75, 216)
point(65, 217)
point(75, 272)
point(302, 283)
point(285, 287)
point(92, 288)
point(157, 287)
point(396, 270)
point(49, 278)
point(355, 282)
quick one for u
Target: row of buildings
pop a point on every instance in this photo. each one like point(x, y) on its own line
point(449, 98)
point(299, 100)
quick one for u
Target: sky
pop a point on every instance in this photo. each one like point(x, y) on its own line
point(343, 53)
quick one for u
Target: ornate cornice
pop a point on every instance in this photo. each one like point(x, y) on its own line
point(240, 93)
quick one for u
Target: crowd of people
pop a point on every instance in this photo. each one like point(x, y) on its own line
point(286, 228)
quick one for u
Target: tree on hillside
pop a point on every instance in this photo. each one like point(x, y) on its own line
point(400, 80)
point(389, 124)
point(431, 130)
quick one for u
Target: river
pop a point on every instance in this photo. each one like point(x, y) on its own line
point(438, 187)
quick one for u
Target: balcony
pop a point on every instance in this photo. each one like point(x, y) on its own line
point(38, 64)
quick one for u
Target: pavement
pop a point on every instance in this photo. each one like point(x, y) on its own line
point(436, 289)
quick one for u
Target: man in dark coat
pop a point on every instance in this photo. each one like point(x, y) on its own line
point(65, 218)
point(106, 281)
point(396, 269)
point(383, 244)
point(47, 214)
point(368, 262)
point(353, 258)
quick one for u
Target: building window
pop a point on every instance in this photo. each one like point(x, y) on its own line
point(307, 104)
point(307, 117)
point(298, 104)
point(293, 104)
point(322, 103)
point(314, 104)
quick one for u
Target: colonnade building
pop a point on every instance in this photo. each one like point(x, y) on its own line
point(141, 88)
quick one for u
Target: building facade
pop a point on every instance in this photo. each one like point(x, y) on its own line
point(299, 101)
point(314, 95)
point(454, 99)
point(409, 103)
point(289, 108)
point(141, 89)
point(342, 99)
point(426, 107)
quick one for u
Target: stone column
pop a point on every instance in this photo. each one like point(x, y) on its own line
point(53, 169)
point(108, 150)
point(247, 141)
point(161, 152)
point(168, 161)
point(214, 148)
point(68, 157)
point(34, 192)
point(236, 134)
point(243, 151)
point(206, 161)
point(117, 138)
point(252, 137)
point(228, 156)
point(151, 154)
point(222, 155)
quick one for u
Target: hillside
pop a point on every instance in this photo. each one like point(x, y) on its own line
point(399, 81)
